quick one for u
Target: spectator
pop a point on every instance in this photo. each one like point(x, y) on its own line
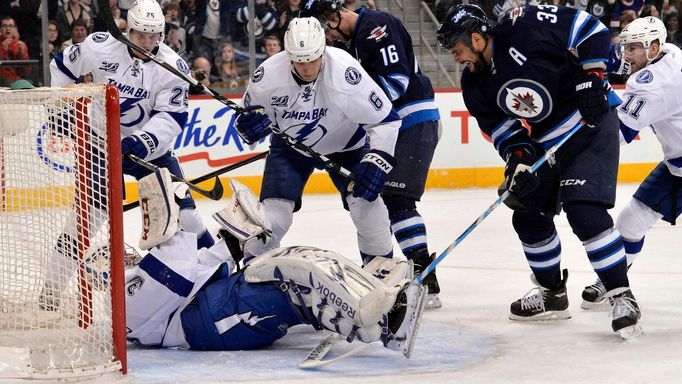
point(265, 24)
point(175, 33)
point(602, 10)
point(650, 9)
point(214, 21)
point(287, 10)
point(622, 7)
point(11, 48)
point(272, 45)
point(672, 24)
point(71, 11)
point(229, 74)
point(100, 26)
point(25, 15)
point(79, 31)
point(54, 41)
point(627, 17)
point(201, 70)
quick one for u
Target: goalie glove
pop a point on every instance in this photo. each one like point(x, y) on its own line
point(245, 216)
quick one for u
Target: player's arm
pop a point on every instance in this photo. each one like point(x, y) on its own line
point(506, 132)
point(390, 68)
point(72, 63)
point(168, 116)
point(641, 107)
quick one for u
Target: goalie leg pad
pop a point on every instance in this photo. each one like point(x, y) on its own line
point(160, 213)
point(343, 297)
point(280, 215)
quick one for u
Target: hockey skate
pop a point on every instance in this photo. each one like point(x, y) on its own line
point(430, 281)
point(543, 304)
point(593, 297)
point(625, 313)
point(404, 319)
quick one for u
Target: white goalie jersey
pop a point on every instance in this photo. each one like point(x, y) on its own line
point(332, 113)
point(653, 97)
point(151, 99)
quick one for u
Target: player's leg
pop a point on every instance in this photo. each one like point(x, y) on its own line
point(542, 247)
point(286, 173)
point(376, 302)
point(190, 220)
point(404, 187)
point(588, 189)
point(369, 217)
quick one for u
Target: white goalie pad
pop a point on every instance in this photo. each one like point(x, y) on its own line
point(160, 213)
point(245, 216)
point(343, 297)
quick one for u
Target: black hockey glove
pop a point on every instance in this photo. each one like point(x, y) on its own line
point(253, 124)
point(593, 101)
point(371, 174)
point(517, 176)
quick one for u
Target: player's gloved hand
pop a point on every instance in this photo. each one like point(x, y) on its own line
point(591, 92)
point(141, 144)
point(253, 124)
point(517, 176)
point(371, 174)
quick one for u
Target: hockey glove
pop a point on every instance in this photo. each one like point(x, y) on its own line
point(593, 101)
point(371, 174)
point(141, 144)
point(253, 124)
point(517, 176)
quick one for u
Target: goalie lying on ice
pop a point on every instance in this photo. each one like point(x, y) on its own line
point(181, 297)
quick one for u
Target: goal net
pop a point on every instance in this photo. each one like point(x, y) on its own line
point(61, 244)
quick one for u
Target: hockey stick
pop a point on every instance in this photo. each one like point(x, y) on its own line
point(213, 174)
point(112, 28)
point(214, 194)
point(316, 356)
point(549, 153)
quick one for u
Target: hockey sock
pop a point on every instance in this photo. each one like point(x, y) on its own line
point(607, 256)
point(544, 259)
point(632, 249)
point(410, 233)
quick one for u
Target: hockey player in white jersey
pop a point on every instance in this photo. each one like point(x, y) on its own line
point(322, 97)
point(652, 98)
point(153, 108)
point(181, 297)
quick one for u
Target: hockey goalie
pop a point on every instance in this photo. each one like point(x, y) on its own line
point(182, 297)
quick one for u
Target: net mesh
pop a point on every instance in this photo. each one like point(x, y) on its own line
point(55, 264)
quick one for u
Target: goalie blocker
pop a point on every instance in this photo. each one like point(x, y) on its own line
point(181, 297)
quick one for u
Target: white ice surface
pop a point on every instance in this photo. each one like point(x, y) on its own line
point(470, 339)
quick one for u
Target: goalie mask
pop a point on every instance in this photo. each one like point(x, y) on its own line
point(146, 16)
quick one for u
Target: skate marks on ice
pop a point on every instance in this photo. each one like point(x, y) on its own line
point(439, 348)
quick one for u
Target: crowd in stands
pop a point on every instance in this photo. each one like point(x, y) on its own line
point(212, 35)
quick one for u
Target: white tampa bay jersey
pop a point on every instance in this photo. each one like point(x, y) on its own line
point(330, 114)
point(151, 99)
point(653, 97)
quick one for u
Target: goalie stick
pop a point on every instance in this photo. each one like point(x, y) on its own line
point(549, 153)
point(213, 174)
point(112, 28)
point(214, 194)
point(316, 357)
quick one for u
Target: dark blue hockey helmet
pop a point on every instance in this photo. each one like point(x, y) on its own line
point(460, 22)
point(320, 9)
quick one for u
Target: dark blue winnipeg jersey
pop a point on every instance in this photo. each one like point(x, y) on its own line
point(383, 46)
point(538, 54)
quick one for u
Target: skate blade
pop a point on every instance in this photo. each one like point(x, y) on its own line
point(433, 301)
point(631, 332)
point(596, 306)
point(544, 316)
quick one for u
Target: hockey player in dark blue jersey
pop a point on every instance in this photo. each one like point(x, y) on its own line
point(380, 42)
point(546, 64)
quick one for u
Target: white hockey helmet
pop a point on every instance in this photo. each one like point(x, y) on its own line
point(147, 16)
point(644, 30)
point(304, 39)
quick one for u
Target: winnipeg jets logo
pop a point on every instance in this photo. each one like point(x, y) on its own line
point(377, 34)
point(525, 99)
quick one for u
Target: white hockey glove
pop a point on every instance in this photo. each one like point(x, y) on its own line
point(160, 212)
point(245, 216)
